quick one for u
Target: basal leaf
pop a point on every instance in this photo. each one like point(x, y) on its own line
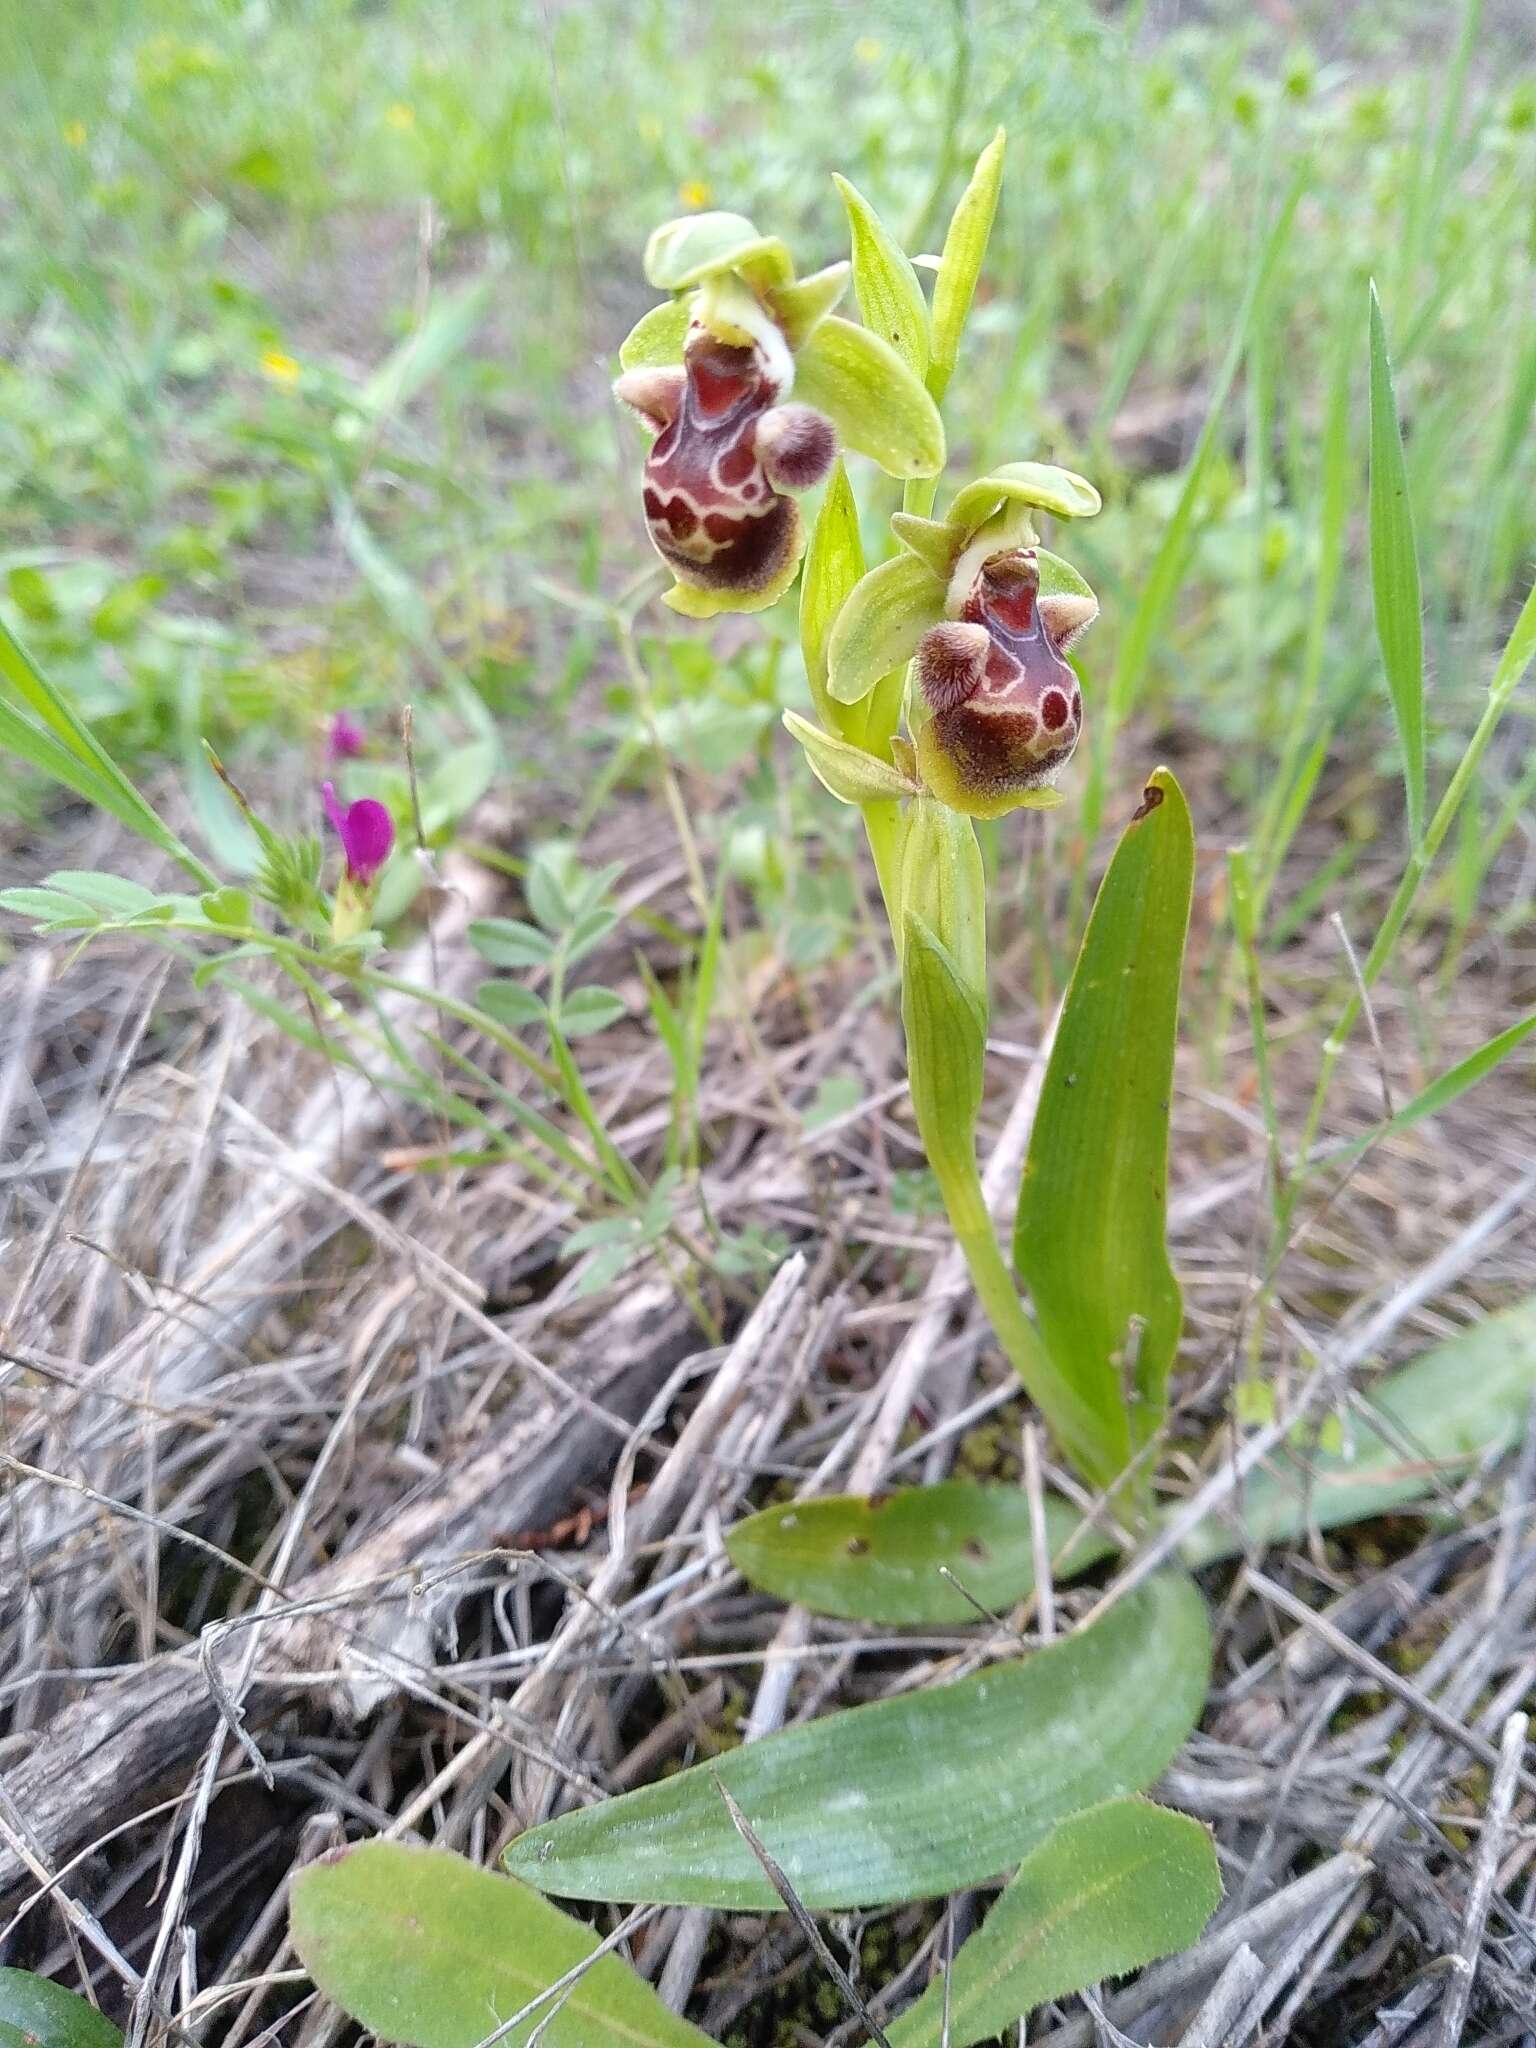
point(1395, 573)
point(883, 1559)
point(891, 302)
point(40, 2014)
point(910, 1797)
point(1460, 1404)
point(879, 627)
point(424, 1947)
point(1090, 1239)
point(965, 248)
point(877, 405)
point(1105, 1892)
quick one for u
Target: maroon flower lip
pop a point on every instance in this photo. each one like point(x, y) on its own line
point(725, 455)
point(1007, 711)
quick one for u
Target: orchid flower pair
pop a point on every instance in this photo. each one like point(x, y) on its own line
point(982, 612)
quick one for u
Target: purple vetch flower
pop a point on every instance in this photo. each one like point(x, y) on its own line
point(346, 738)
point(366, 831)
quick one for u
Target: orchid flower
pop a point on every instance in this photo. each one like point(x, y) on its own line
point(712, 372)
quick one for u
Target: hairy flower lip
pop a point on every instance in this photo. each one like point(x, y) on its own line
point(366, 831)
point(1005, 709)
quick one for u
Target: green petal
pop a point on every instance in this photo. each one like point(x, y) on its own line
point(851, 775)
point(655, 342)
point(891, 302)
point(681, 252)
point(931, 540)
point(1060, 491)
point(801, 308)
point(1060, 579)
point(871, 397)
point(879, 627)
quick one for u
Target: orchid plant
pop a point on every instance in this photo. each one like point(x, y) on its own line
point(940, 677)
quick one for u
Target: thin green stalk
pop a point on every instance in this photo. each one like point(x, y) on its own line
point(1517, 655)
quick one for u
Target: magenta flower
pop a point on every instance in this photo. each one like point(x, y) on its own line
point(366, 831)
point(346, 738)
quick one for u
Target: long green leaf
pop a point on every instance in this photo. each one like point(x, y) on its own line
point(1466, 1401)
point(1105, 1892)
point(910, 1797)
point(76, 758)
point(37, 2014)
point(1090, 1239)
point(885, 1559)
point(1395, 573)
point(427, 1948)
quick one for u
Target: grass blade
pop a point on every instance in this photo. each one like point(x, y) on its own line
point(1395, 573)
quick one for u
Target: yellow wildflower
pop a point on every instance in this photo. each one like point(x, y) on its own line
point(400, 116)
point(282, 369)
point(694, 193)
point(869, 49)
point(74, 134)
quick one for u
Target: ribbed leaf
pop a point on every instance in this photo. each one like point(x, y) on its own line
point(910, 1797)
point(424, 1947)
point(1105, 1892)
point(884, 1559)
point(1090, 1240)
point(1395, 574)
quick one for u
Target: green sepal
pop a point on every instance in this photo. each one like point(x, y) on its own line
point(891, 302)
point(965, 248)
point(801, 307)
point(1060, 491)
point(931, 540)
point(1058, 579)
point(834, 563)
point(879, 627)
point(851, 775)
point(655, 342)
point(946, 1029)
point(682, 252)
point(871, 397)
